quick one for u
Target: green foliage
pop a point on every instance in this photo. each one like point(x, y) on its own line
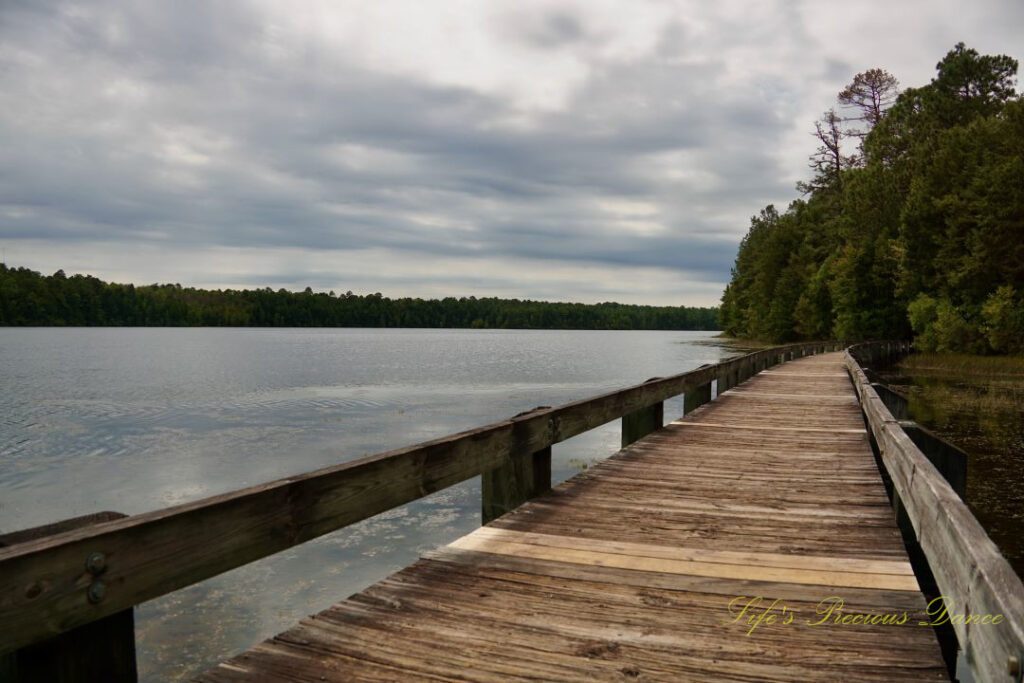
point(970, 85)
point(28, 298)
point(957, 329)
point(925, 237)
point(922, 311)
point(1003, 313)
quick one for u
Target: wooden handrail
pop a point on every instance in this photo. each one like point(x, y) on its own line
point(46, 587)
point(970, 572)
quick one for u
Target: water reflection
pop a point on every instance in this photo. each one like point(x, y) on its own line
point(137, 419)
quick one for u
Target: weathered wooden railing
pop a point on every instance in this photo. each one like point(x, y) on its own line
point(970, 573)
point(73, 577)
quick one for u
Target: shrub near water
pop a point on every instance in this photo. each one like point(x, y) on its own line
point(1004, 321)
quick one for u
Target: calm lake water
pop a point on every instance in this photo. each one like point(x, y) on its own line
point(135, 419)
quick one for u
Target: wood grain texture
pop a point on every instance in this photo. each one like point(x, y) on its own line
point(628, 570)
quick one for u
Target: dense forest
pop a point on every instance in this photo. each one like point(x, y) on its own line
point(29, 298)
point(912, 224)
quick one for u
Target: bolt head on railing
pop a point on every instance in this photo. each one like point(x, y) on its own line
point(96, 563)
point(96, 592)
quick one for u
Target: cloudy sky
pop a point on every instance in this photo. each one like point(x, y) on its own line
point(586, 150)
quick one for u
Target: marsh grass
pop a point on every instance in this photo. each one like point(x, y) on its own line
point(962, 366)
point(982, 396)
point(977, 402)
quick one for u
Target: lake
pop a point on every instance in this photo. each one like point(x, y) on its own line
point(135, 419)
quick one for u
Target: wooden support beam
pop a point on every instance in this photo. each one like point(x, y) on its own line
point(725, 381)
point(696, 397)
point(511, 484)
point(640, 423)
point(950, 461)
point(742, 371)
point(895, 403)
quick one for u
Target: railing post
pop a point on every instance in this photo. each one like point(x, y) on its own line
point(640, 423)
point(900, 515)
point(523, 476)
point(696, 397)
point(102, 650)
point(725, 379)
point(950, 461)
point(510, 485)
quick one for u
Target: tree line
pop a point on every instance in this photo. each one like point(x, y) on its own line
point(912, 224)
point(29, 298)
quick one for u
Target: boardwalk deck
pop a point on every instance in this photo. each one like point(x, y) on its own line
point(635, 569)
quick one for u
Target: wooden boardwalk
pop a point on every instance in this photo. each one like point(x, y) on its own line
point(638, 568)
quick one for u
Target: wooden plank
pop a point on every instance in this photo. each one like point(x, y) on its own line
point(840, 398)
point(804, 375)
point(836, 578)
point(16, 537)
point(605, 580)
point(578, 615)
point(790, 561)
point(774, 429)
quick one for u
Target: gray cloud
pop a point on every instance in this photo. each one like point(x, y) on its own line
point(198, 126)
